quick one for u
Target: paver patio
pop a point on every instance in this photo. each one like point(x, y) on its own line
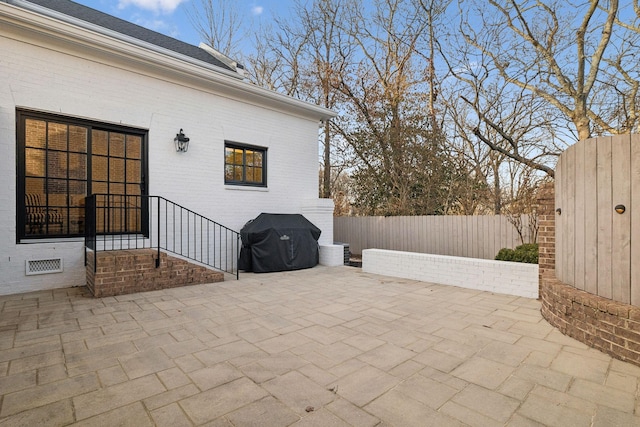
point(319, 347)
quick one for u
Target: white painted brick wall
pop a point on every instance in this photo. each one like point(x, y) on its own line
point(501, 277)
point(81, 84)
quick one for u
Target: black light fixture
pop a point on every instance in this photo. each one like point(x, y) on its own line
point(559, 211)
point(182, 142)
point(620, 209)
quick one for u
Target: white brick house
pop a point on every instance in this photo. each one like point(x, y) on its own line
point(73, 77)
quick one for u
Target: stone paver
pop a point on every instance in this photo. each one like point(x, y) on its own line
point(318, 347)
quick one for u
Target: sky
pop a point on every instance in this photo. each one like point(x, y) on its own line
point(169, 16)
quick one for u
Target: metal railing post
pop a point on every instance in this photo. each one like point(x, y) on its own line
point(158, 237)
point(237, 256)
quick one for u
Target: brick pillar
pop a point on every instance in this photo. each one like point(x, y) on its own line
point(546, 232)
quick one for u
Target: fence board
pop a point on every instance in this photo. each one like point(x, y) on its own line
point(603, 171)
point(477, 235)
point(560, 208)
point(635, 220)
point(590, 218)
point(579, 249)
point(621, 224)
point(569, 216)
point(471, 248)
point(559, 267)
point(498, 236)
point(467, 236)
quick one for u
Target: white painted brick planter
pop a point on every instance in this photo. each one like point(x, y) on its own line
point(501, 277)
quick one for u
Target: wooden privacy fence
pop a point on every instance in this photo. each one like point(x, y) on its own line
point(598, 249)
point(461, 235)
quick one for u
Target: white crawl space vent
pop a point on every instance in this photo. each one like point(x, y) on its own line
point(44, 266)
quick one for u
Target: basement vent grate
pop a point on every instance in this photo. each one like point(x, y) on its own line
point(44, 266)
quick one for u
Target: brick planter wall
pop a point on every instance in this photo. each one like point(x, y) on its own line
point(125, 272)
point(601, 323)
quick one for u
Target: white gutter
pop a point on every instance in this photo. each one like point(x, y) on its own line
point(208, 71)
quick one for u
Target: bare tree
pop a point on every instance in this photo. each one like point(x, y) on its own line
point(330, 52)
point(218, 22)
point(303, 56)
point(535, 73)
point(509, 77)
point(279, 57)
point(553, 50)
point(622, 77)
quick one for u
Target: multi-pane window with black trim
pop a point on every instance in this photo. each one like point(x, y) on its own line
point(62, 160)
point(245, 165)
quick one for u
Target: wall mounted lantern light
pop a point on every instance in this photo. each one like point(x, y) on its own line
point(559, 211)
point(182, 142)
point(620, 209)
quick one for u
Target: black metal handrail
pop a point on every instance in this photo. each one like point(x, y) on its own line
point(117, 222)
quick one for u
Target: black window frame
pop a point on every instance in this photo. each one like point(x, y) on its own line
point(22, 115)
point(244, 147)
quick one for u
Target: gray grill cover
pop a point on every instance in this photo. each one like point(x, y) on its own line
point(278, 242)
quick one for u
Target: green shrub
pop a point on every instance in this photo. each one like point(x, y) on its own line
point(524, 253)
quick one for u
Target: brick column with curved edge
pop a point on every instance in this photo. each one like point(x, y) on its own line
point(601, 323)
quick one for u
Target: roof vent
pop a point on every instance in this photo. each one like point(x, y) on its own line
point(44, 266)
point(238, 68)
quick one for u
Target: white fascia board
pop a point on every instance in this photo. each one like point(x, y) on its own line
point(63, 27)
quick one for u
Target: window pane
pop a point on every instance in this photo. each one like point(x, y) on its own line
point(78, 139)
point(57, 192)
point(34, 187)
point(134, 190)
point(57, 137)
point(57, 164)
point(254, 175)
point(249, 157)
point(116, 189)
point(257, 158)
point(77, 193)
point(35, 133)
point(116, 144)
point(78, 166)
point(116, 170)
point(228, 173)
point(57, 221)
point(34, 162)
point(35, 209)
point(228, 155)
point(76, 221)
point(134, 173)
point(134, 147)
point(133, 218)
point(99, 142)
point(99, 188)
point(99, 168)
point(237, 173)
point(249, 175)
point(237, 157)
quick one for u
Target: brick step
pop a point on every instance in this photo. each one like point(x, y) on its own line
point(129, 271)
